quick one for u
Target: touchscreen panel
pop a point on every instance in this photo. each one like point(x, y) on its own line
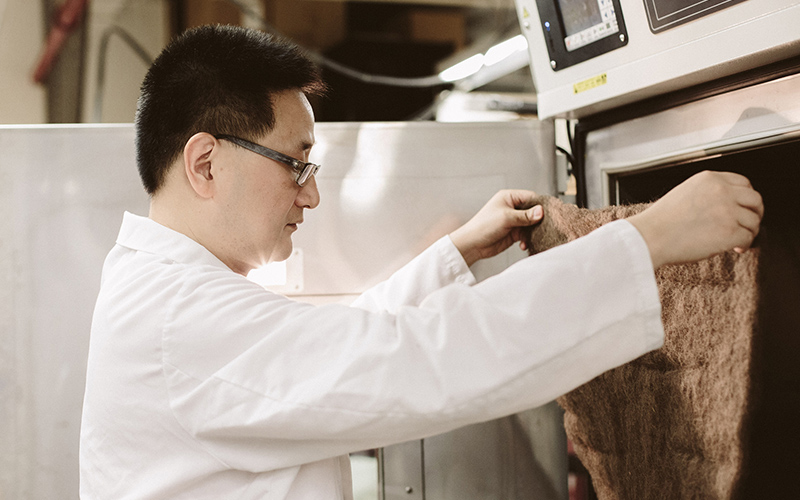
point(579, 30)
point(586, 21)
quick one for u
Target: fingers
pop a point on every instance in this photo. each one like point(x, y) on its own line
point(748, 211)
point(711, 212)
point(520, 198)
point(519, 207)
point(527, 217)
point(738, 190)
point(496, 226)
point(744, 238)
point(733, 178)
point(750, 220)
point(746, 216)
point(742, 191)
point(749, 223)
point(534, 215)
point(749, 198)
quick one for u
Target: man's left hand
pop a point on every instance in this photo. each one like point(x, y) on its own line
point(497, 225)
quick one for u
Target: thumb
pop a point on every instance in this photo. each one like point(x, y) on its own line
point(527, 217)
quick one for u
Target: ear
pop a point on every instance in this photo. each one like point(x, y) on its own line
point(197, 155)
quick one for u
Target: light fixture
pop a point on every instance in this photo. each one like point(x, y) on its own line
point(505, 49)
point(465, 68)
point(503, 58)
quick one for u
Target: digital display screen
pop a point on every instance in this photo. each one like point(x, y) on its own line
point(579, 30)
point(670, 7)
point(665, 14)
point(586, 21)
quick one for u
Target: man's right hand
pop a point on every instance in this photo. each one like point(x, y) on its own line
point(709, 213)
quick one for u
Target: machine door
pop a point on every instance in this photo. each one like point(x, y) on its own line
point(754, 131)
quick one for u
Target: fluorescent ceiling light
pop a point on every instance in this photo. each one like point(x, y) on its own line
point(505, 49)
point(465, 68)
point(499, 53)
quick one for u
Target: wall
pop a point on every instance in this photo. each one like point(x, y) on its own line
point(21, 40)
point(22, 37)
point(147, 21)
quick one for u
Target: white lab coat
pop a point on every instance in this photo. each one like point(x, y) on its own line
point(203, 385)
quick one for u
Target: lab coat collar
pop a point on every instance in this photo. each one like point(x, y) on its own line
point(146, 235)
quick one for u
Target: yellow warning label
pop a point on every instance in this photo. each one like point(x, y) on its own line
point(589, 84)
point(525, 13)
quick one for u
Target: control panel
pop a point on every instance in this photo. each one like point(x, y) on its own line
point(588, 56)
point(577, 30)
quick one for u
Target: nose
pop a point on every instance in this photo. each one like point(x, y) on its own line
point(308, 196)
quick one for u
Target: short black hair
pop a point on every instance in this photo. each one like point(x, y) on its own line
point(215, 79)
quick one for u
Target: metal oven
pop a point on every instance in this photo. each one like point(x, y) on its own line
point(657, 90)
point(748, 124)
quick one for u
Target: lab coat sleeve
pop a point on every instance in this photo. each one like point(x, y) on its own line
point(329, 380)
point(438, 266)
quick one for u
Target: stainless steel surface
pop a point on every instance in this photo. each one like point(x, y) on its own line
point(387, 191)
point(763, 113)
point(743, 36)
point(404, 463)
point(522, 456)
point(63, 193)
point(391, 189)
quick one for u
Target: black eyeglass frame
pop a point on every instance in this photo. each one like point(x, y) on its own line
point(303, 169)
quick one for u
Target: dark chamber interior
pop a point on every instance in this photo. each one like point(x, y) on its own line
point(771, 437)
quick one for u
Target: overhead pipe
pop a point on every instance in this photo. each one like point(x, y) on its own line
point(65, 21)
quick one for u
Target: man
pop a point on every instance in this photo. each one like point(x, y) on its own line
point(202, 384)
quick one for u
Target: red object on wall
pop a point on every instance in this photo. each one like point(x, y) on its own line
point(65, 21)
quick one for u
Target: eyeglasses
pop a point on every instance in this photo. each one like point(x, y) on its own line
point(302, 169)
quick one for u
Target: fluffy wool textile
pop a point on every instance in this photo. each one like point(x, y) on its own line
point(668, 425)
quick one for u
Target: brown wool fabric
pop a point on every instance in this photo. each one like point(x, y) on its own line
point(669, 424)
